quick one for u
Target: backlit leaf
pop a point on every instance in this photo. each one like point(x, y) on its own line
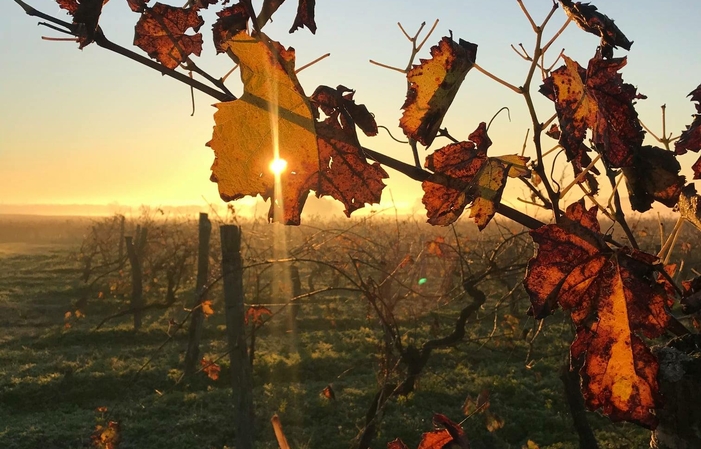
point(397, 444)
point(599, 100)
point(207, 308)
point(435, 246)
point(588, 18)
point(87, 13)
point(654, 176)
point(305, 16)
point(211, 369)
point(464, 175)
point(690, 139)
point(613, 297)
point(689, 206)
point(256, 315)
point(328, 392)
point(433, 85)
point(160, 32)
point(231, 21)
point(106, 437)
point(273, 113)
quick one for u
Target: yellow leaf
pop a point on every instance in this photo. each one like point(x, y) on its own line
point(273, 118)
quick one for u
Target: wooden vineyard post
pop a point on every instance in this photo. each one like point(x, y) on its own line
point(197, 318)
point(232, 270)
point(120, 253)
point(135, 252)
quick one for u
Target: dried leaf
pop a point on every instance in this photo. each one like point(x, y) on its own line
point(690, 139)
point(267, 10)
point(406, 261)
point(435, 246)
point(432, 87)
point(87, 13)
point(464, 175)
point(492, 421)
point(598, 99)
point(588, 18)
point(231, 21)
point(256, 315)
point(654, 176)
point(211, 369)
point(273, 113)
point(691, 296)
point(161, 30)
point(305, 16)
point(612, 295)
point(137, 5)
point(689, 206)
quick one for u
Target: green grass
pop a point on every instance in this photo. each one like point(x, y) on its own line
point(53, 379)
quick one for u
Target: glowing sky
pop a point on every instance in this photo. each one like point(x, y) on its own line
point(93, 127)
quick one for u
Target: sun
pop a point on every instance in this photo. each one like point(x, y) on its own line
point(278, 166)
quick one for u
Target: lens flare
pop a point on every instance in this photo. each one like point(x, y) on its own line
point(278, 166)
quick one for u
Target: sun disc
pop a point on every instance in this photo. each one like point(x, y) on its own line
point(278, 166)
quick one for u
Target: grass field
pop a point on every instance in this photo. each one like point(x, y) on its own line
point(56, 381)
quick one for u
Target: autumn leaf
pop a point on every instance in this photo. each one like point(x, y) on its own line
point(273, 114)
point(207, 308)
point(256, 314)
point(433, 85)
point(211, 369)
point(87, 14)
point(691, 296)
point(435, 246)
point(232, 20)
point(305, 16)
point(463, 175)
point(588, 18)
point(106, 437)
point(452, 436)
point(613, 297)
point(599, 100)
point(689, 206)
point(161, 30)
point(690, 138)
point(328, 393)
point(654, 176)
point(137, 5)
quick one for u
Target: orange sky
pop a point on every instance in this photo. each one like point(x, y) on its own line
point(92, 127)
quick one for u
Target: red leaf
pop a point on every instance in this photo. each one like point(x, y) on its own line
point(612, 295)
point(690, 139)
point(211, 369)
point(598, 99)
point(161, 30)
point(256, 315)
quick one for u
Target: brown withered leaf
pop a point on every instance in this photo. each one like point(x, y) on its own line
point(435, 246)
point(267, 10)
point(305, 16)
point(463, 175)
point(397, 444)
point(231, 21)
point(433, 85)
point(690, 138)
point(160, 32)
point(207, 309)
point(599, 100)
point(322, 156)
point(328, 393)
point(588, 18)
point(613, 296)
point(256, 314)
point(137, 5)
point(339, 103)
point(87, 14)
point(654, 176)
